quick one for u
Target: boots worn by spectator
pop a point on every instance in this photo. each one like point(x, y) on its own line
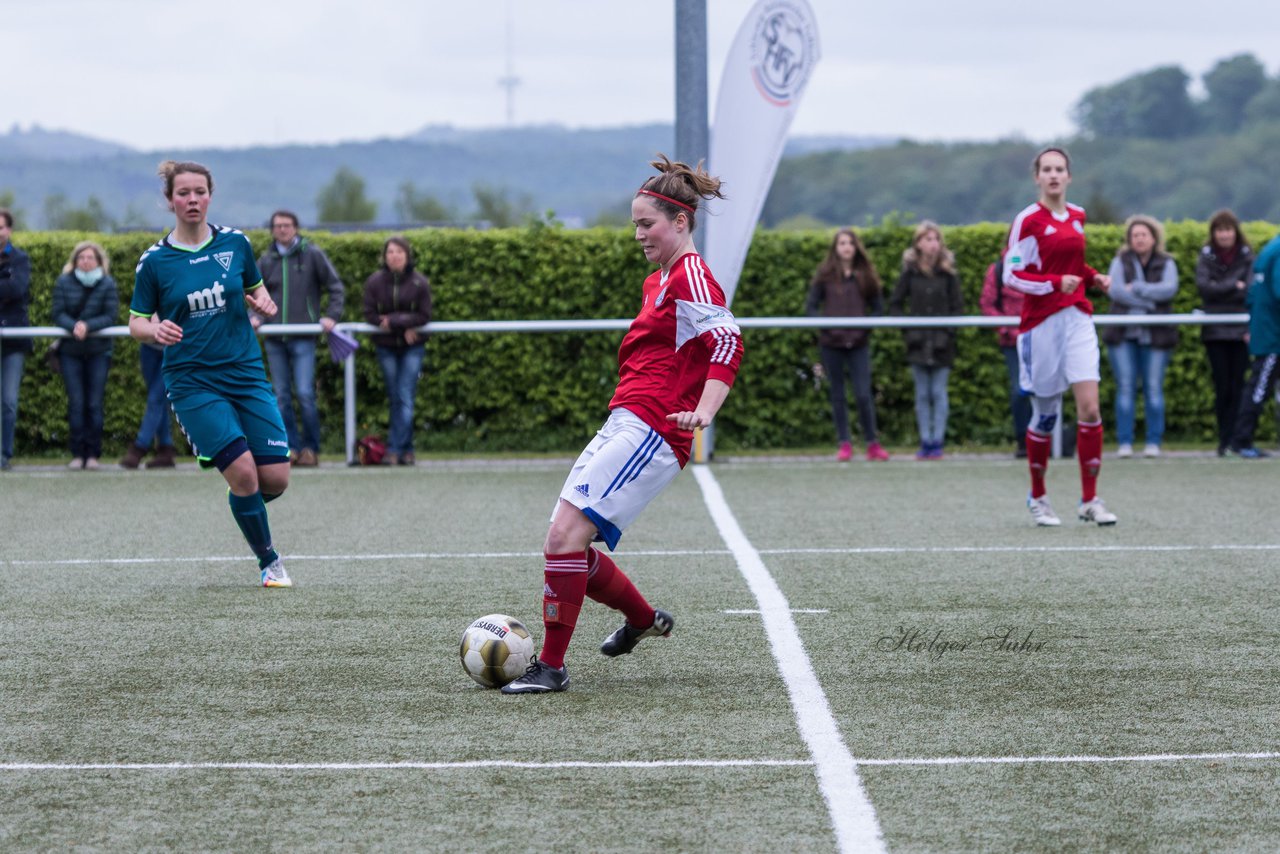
point(133, 457)
point(165, 458)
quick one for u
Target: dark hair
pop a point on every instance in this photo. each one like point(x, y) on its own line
point(684, 184)
point(7, 215)
point(1053, 149)
point(170, 169)
point(397, 240)
point(1226, 219)
point(289, 215)
point(830, 270)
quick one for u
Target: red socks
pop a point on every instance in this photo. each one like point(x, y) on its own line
point(562, 594)
point(609, 585)
point(1089, 450)
point(1038, 447)
point(569, 578)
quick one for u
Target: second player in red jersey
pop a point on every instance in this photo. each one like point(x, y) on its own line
point(675, 367)
point(1057, 342)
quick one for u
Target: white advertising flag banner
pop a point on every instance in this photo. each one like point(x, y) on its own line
point(768, 66)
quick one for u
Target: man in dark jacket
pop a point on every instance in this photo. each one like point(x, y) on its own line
point(298, 275)
point(15, 294)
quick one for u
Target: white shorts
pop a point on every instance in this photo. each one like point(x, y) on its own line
point(1061, 351)
point(615, 477)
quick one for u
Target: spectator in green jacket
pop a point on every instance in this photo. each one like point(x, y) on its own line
point(299, 276)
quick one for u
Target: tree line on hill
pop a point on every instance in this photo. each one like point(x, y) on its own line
point(1143, 144)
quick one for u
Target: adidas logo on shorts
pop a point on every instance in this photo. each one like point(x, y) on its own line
point(584, 489)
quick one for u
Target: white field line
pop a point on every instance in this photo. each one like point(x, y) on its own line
point(852, 550)
point(853, 818)
point(639, 765)
point(793, 610)
point(879, 550)
point(292, 558)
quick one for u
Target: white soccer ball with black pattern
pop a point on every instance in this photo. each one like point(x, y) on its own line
point(496, 649)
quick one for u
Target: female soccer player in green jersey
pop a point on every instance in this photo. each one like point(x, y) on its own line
point(197, 282)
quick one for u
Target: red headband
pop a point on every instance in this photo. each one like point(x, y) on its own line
point(664, 198)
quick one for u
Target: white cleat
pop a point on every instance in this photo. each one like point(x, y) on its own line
point(273, 575)
point(1096, 511)
point(1042, 512)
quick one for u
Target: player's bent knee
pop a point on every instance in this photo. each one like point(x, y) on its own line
point(571, 531)
point(273, 479)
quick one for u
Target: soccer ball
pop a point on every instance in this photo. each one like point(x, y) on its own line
point(496, 649)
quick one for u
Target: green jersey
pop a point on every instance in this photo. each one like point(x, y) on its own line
point(202, 290)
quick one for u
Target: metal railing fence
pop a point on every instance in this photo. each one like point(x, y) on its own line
point(450, 327)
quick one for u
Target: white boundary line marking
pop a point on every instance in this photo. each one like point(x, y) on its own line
point(738, 611)
point(640, 765)
point(878, 550)
point(852, 550)
point(113, 561)
point(1064, 760)
point(853, 818)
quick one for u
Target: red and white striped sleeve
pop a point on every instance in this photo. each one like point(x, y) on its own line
point(701, 313)
point(1022, 265)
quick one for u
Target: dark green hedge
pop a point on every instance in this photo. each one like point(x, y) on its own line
point(535, 392)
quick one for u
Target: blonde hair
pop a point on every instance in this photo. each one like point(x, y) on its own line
point(1152, 224)
point(104, 261)
point(946, 260)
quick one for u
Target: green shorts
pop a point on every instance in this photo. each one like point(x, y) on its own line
point(213, 419)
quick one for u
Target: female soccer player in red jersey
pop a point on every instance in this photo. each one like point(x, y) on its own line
point(1057, 342)
point(675, 367)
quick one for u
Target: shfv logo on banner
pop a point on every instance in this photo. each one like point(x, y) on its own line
point(783, 52)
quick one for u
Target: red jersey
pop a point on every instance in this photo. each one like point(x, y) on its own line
point(683, 336)
point(1044, 247)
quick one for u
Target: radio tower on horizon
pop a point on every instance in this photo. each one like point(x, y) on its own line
point(510, 81)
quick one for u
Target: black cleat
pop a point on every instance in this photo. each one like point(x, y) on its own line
point(625, 639)
point(539, 679)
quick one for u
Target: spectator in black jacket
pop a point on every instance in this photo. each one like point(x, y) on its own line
point(1222, 274)
point(929, 287)
point(84, 301)
point(15, 295)
point(298, 275)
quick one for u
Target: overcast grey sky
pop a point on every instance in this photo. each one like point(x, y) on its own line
point(228, 73)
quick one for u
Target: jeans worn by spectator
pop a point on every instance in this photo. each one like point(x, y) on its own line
point(1019, 403)
point(86, 381)
point(11, 378)
point(932, 404)
point(155, 425)
point(293, 373)
point(1132, 363)
point(400, 370)
point(852, 365)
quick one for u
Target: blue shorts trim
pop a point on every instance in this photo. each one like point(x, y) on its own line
point(608, 532)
